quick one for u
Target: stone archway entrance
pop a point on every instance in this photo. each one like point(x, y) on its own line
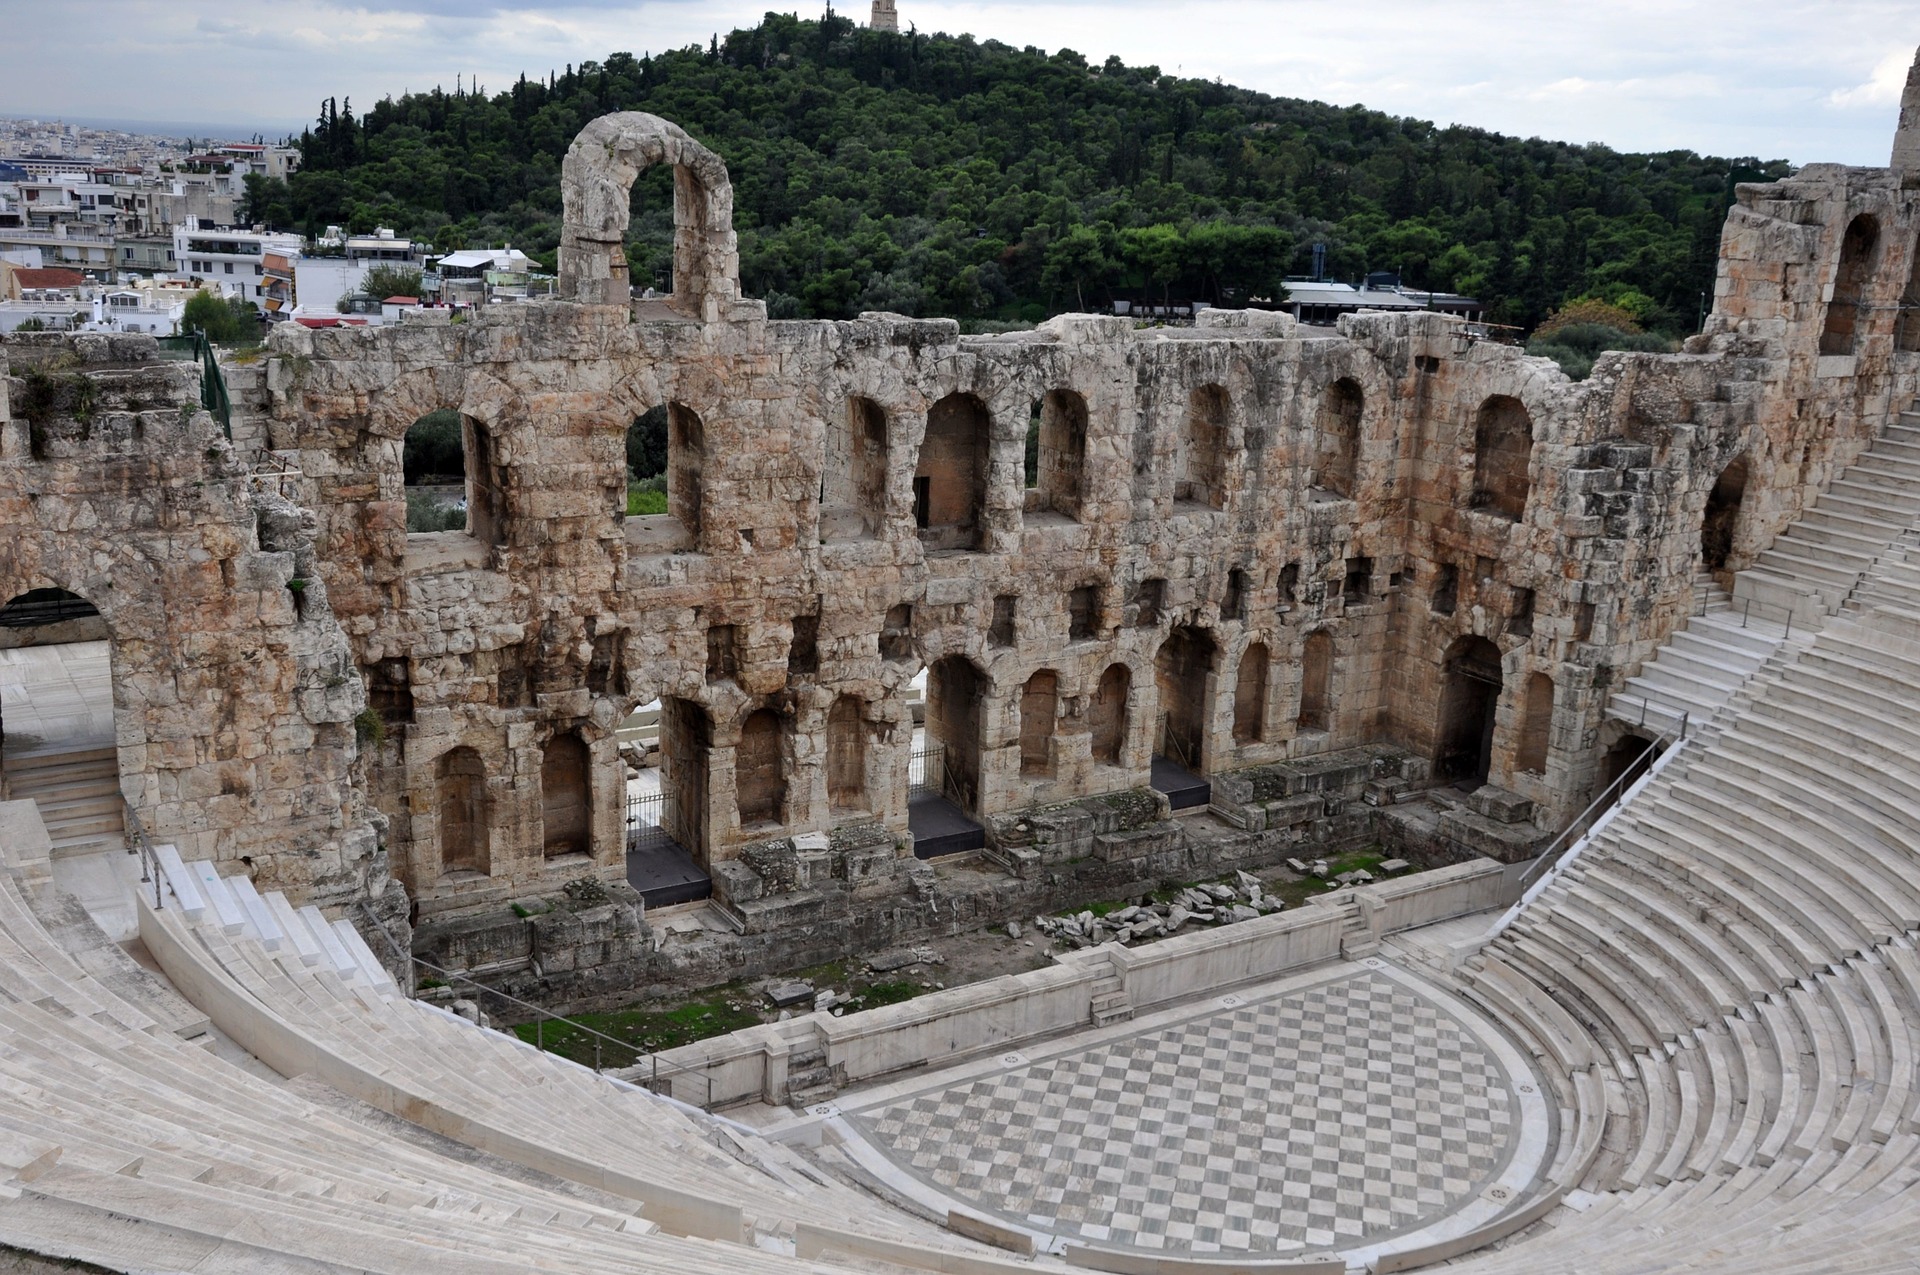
point(1470, 691)
point(1722, 515)
point(59, 748)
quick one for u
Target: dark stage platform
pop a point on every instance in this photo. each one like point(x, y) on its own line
point(939, 827)
point(1183, 788)
point(665, 874)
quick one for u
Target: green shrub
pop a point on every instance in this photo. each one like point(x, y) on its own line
point(645, 499)
point(424, 513)
point(1575, 346)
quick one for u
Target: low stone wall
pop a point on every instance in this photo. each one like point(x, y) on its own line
point(1007, 1012)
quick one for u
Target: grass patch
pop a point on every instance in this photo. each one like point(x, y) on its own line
point(878, 994)
point(647, 1030)
point(1102, 908)
point(643, 499)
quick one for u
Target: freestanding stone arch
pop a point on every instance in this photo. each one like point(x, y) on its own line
point(596, 187)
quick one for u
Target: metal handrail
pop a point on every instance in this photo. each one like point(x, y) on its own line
point(1747, 607)
point(543, 1016)
point(143, 846)
point(1584, 821)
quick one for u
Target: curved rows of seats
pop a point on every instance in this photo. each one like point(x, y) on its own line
point(307, 996)
point(125, 1145)
point(1735, 955)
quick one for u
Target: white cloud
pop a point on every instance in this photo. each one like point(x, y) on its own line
point(1882, 88)
point(1778, 79)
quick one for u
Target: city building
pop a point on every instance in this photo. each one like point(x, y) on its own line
point(235, 260)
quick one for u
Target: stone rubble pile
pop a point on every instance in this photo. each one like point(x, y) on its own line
point(1214, 904)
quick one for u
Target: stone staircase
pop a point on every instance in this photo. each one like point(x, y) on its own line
point(78, 794)
point(306, 996)
point(1814, 566)
point(1701, 667)
point(1737, 957)
point(1811, 570)
point(810, 1078)
point(1111, 1003)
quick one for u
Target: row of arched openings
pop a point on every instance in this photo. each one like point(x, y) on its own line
point(453, 482)
point(566, 804)
point(956, 692)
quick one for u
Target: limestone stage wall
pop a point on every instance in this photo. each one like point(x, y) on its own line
point(1248, 489)
point(1005, 1013)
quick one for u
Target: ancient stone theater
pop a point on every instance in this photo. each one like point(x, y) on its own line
point(1616, 682)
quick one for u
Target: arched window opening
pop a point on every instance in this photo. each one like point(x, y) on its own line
point(1722, 515)
point(1536, 727)
point(1470, 692)
point(461, 782)
point(598, 175)
point(686, 453)
point(1061, 454)
point(853, 483)
point(950, 478)
point(1233, 603)
point(433, 466)
point(758, 772)
point(1336, 440)
point(1108, 714)
point(956, 691)
point(1316, 681)
point(1859, 248)
point(1250, 696)
point(1180, 675)
point(647, 463)
point(566, 803)
point(1200, 474)
point(686, 745)
point(846, 756)
point(1039, 707)
point(1502, 450)
point(1907, 334)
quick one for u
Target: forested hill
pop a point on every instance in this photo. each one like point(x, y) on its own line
point(940, 175)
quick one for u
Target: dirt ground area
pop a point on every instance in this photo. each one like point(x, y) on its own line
point(872, 979)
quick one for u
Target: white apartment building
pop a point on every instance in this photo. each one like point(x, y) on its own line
point(232, 260)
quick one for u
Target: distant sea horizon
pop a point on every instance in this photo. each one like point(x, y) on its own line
point(228, 132)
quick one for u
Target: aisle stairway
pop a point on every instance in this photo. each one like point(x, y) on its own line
point(78, 794)
point(1736, 957)
point(1701, 667)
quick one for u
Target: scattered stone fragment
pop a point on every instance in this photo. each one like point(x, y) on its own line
point(1298, 866)
point(1394, 865)
point(1241, 912)
point(1013, 929)
point(1320, 869)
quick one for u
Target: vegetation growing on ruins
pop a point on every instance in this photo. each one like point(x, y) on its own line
point(1575, 334)
point(938, 175)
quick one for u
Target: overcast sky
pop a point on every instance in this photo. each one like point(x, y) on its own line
point(1773, 78)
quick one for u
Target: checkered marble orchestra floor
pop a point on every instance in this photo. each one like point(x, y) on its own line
point(1348, 1110)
